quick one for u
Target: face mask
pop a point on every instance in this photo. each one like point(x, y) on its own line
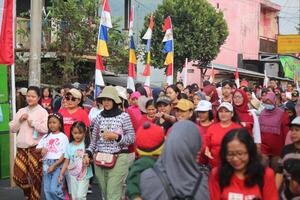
point(269, 106)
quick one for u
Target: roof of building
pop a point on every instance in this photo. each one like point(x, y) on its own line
point(270, 5)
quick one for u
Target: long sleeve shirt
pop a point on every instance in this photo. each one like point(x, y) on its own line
point(121, 125)
point(39, 117)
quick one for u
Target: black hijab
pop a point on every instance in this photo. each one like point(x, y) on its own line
point(114, 111)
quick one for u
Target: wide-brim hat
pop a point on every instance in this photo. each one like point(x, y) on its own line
point(255, 103)
point(122, 92)
point(142, 103)
point(110, 92)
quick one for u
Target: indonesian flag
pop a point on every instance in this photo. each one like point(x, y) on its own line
point(6, 32)
point(168, 49)
point(148, 36)
point(102, 50)
point(132, 57)
point(212, 75)
point(237, 78)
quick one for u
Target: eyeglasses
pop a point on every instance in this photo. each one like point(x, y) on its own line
point(238, 97)
point(68, 98)
point(239, 155)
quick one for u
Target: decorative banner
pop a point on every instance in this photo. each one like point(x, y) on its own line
point(102, 50)
point(148, 36)
point(287, 44)
point(291, 65)
point(168, 49)
point(132, 57)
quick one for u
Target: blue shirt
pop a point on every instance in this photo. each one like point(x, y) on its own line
point(76, 168)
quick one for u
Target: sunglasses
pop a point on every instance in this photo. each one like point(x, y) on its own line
point(68, 98)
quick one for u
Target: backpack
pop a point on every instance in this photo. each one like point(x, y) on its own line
point(169, 189)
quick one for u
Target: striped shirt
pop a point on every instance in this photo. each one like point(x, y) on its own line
point(121, 125)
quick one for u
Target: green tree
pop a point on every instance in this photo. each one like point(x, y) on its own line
point(198, 30)
point(75, 25)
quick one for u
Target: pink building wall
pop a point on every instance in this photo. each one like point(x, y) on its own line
point(247, 22)
point(242, 18)
point(268, 26)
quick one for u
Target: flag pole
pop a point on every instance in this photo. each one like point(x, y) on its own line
point(12, 136)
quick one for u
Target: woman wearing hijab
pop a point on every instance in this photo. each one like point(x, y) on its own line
point(212, 96)
point(274, 127)
point(247, 118)
point(112, 134)
point(177, 165)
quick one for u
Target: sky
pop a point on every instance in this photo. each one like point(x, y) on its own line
point(289, 16)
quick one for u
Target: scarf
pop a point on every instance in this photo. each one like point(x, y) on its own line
point(114, 111)
point(243, 110)
point(178, 159)
point(270, 120)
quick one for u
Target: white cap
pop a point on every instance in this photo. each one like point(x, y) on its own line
point(296, 121)
point(226, 105)
point(203, 105)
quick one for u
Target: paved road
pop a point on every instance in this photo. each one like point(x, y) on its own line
point(8, 193)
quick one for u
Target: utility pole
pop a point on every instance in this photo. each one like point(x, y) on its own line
point(35, 43)
point(299, 18)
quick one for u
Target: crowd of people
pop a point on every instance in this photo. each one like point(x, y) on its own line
point(214, 142)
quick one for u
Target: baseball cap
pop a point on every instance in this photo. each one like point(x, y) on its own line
point(163, 99)
point(226, 105)
point(185, 105)
point(203, 105)
point(75, 93)
point(295, 121)
point(295, 93)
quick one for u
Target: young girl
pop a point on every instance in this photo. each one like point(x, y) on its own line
point(79, 174)
point(53, 146)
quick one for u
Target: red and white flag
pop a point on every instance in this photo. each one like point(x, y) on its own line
point(6, 32)
point(184, 73)
point(266, 79)
point(237, 78)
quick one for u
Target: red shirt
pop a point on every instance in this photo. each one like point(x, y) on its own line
point(214, 137)
point(45, 103)
point(273, 143)
point(238, 191)
point(70, 118)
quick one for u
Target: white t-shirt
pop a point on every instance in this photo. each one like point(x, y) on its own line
point(55, 144)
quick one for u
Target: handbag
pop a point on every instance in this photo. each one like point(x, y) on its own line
point(106, 160)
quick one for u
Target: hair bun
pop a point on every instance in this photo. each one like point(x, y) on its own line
point(146, 125)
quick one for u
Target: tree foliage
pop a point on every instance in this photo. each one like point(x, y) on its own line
point(198, 30)
point(74, 27)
